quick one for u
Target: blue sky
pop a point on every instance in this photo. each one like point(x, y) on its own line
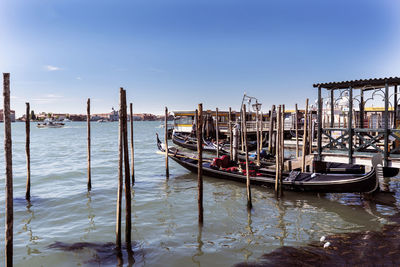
point(179, 53)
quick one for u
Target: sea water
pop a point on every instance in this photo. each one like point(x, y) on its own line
point(65, 225)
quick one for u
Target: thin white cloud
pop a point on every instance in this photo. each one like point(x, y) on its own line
point(52, 68)
point(48, 98)
point(79, 78)
point(53, 96)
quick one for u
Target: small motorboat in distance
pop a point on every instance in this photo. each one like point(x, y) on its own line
point(50, 124)
point(224, 168)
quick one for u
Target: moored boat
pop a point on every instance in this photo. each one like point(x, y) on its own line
point(50, 124)
point(295, 180)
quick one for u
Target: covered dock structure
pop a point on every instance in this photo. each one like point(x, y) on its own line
point(355, 143)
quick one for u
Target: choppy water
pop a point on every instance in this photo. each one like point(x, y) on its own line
point(164, 226)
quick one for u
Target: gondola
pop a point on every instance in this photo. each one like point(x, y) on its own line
point(294, 181)
point(186, 141)
point(189, 142)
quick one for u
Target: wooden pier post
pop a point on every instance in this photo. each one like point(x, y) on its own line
point(310, 134)
point(319, 132)
point(304, 150)
point(28, 153)
point(297, 131)
point(282, 137)
point(199, 133)
point(333, 110)
point(271, 130)
point(89, 181)
point(257, 137)
point(350, 125)
point(278, 150)
point(386, 125)
point(120, 172)
point(230, 133)
point(132, 146)
point(166, 143)
point(217, 131)
point(248, 189)
point(282, 150)
point(395, 103)
point(261, 131)
point(128, 206)
point(9, 176)
point(241, 127)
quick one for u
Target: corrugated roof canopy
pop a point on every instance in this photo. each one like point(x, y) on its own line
point(360, 84)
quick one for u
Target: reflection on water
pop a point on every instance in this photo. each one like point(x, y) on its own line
point(200, 244)
point(164, 221)
point(33, 240)
point(91, 216)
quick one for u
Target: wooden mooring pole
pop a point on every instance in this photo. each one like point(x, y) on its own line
point(248, 189)
point(257, 139)
point(28, 152)
point(241, 127)
point(217, 131)
point(230, 133)
point(120, 172)
point(199, 133)
point(282, 150)
point(166, 143)
point(132, 146)
point(128, 207)
point(89, 181)
point(278, 150)
point(9, 176)
point(261, 131)
point(304, 149)
point(271, 131)
point(310, 135)
point(297, 131)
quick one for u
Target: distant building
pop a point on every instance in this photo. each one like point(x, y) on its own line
point(12, 115)
point(77, 117)
point(59, 116)
point(145, 117)
point(112, 116)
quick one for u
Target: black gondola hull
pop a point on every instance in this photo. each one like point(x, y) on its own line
point(366, 183)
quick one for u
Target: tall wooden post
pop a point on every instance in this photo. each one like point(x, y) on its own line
point(132, 146)
point(271, 129)
point(260, 121)
point(297, 131)
point(217, 131)
point(386, 125)
point(120, 171)
point(350, 125)
point(230, 133)
point(257, 137)
point(282, 150)
point(9, 176)
point(319, 133)
point(242, 125)
point(199, 132)
point(304, 150)
point(28, 153)
point(166, 143)
point(278, 150)
point(89, 181)
point(395, 103)
point(248, 189)
point(310, 134)
point(333, 110)
point(128, 207)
